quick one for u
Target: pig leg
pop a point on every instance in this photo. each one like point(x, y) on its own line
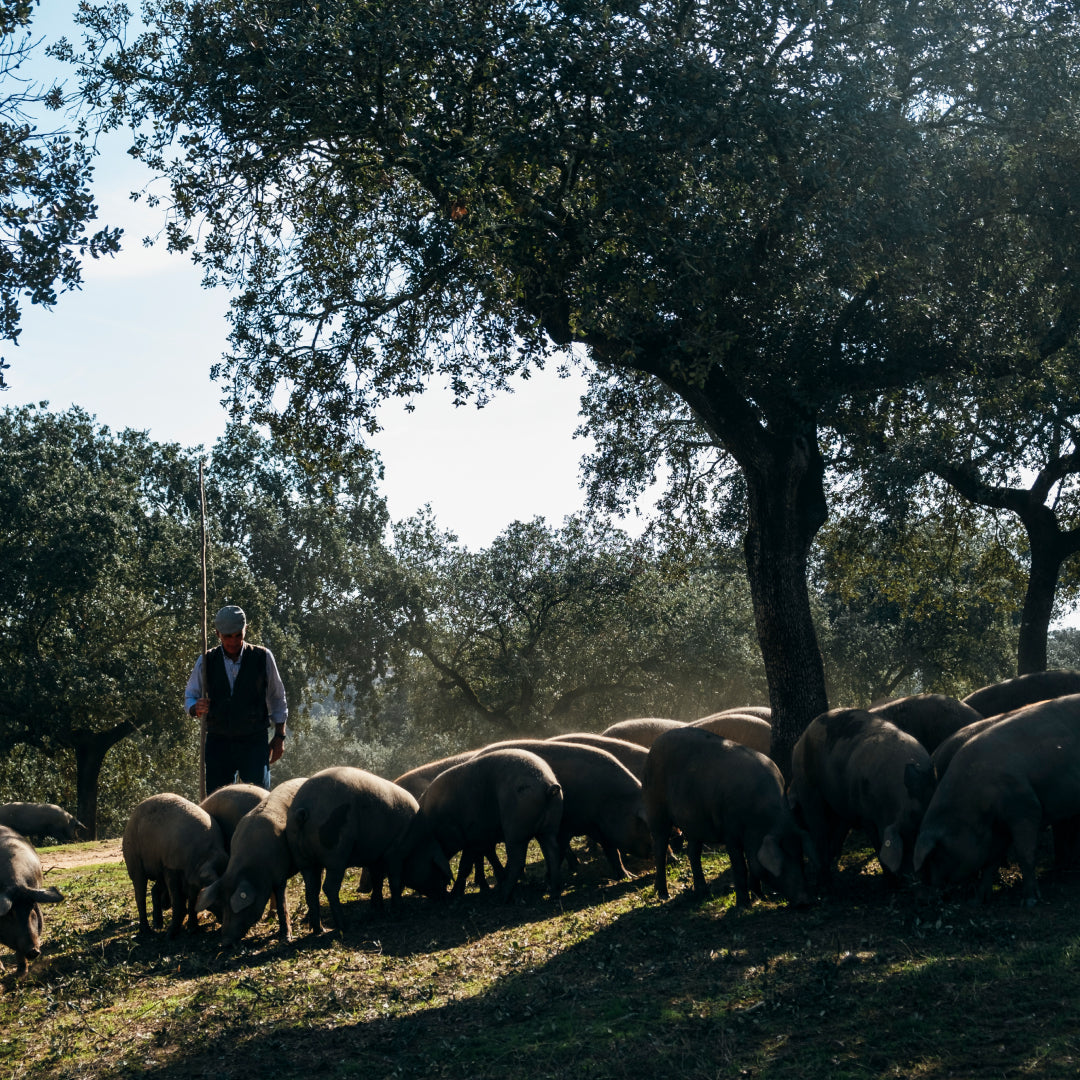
point(377, 879)
point(549, 846)
point(138, 880)
point(693, 848)
point(737, 858)
point(174, 881)
point(660, 827)
point(159, 901)
point(284, 927)
point(332, 890)
point(611, 852)
point(312, 884)
point(465, 867)
point(515, 867)
point(1025, 838)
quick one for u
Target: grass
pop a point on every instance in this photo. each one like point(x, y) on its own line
point(607, 983)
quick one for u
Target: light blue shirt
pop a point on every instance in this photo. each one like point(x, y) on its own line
point(275, 689)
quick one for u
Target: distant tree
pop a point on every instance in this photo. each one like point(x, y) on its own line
point(100, 591)
point(96, 589)
point(45, 197)
point(1006, 442)
point(550, 630)
point(769, 209)
point(923, 598)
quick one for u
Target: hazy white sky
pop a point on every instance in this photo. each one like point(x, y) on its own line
point(134, 347)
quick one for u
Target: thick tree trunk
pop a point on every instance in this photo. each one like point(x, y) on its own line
point(90, 750)
point(787, 507)
point(1048, 552)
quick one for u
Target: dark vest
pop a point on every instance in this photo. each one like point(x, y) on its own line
point(241, 710)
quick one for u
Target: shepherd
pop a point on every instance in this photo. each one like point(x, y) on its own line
point(243, 699)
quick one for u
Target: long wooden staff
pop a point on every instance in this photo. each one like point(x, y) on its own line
point(202, 720)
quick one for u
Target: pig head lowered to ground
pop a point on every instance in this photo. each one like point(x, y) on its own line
point(171, 841)
point(22, 893)
point(260, 865)
point(716, 790)
point(850, 769)
point(1001, 787)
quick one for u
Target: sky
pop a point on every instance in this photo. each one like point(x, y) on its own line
point(135, 345)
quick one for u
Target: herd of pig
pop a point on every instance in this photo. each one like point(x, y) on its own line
point(945, 789)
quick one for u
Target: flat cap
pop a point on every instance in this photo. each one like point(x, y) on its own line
point(230, 620)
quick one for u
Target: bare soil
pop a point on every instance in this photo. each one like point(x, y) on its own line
point(69, 856)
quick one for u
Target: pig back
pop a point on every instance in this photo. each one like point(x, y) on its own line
point(930, 718)
point(642, 730)
point(630, 755)
point(229, 804)
point(345, 816)
point(1024, 690)
point(168, 832)
point(742, 728)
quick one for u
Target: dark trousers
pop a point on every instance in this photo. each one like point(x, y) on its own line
point(246, 758)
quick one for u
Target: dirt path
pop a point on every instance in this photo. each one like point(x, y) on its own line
point(65, 858)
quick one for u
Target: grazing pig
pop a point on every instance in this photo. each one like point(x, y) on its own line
point(169, 839)
point(643, 730)
point(631, 755)
point(742, 728)
point(36, 821)
point(601, 799)
point(507, 795)
point(1024, 690)
point(851, 769)
point(416, 781)
point(716, 790)
point(344, 817)
point(260, 865)
point(1002, 786)
point(229, 804)
point(931, 718)
point(22, 892)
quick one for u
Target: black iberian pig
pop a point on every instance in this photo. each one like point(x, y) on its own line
point(344, 816)
point(719, 791)
point(169, 839)
point(1002, 786)
point(509, 796)
point(851, 769)
point(22, 892)
point(260, 865)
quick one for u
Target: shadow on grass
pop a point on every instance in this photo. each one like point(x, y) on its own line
point(871, 982)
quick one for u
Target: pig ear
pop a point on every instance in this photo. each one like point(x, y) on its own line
point(243, 896)
point(5, 903)
point(771, 856)
point(924, 845)
point(891, 854)
point(208, 896)
point(44, 896)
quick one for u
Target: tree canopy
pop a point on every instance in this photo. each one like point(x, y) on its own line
point(100, 580)
point(774, 209)
point(45, 196)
